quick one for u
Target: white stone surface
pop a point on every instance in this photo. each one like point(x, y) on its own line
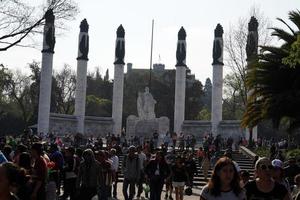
point(80, 94)
point(45, 92)
point(217, 93)
point(117, 107)
point(179, 107)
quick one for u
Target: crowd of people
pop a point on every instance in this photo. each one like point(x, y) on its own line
point(52, 168)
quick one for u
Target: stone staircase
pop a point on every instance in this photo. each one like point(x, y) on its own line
point(244, 162)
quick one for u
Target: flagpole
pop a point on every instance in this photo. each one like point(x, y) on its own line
point(151, 56)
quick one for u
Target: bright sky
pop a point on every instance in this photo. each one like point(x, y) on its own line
point(198, 17)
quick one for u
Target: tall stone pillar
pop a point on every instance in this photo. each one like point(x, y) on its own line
point(217, 87)
point(82, 60)
point(46, 73)
point(251, 51)
point(117, 107)
point(180, 81)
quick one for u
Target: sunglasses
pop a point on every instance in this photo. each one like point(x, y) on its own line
point(264, 167)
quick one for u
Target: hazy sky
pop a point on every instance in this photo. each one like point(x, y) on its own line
point(198, 17)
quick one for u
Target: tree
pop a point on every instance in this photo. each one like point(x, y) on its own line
point(235, 50)
point(193, 100)
point(106, 77)
point(17, 87)
point(207, 94)
point(66, 83)
point(96, 106)
point(20, 19)
point(233, 107)
point(275, 84)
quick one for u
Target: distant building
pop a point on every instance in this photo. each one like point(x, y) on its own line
point(159, 71)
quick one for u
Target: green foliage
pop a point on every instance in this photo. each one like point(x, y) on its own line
point(293, 58)
point(295, 153)
point(98, 107)
point(262, 151)
point(275, 85)
point(204, 114)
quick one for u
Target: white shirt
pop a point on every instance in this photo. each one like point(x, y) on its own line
point(142, 158)
point(115, 163)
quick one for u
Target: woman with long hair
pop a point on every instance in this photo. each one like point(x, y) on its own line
point(88, 176)
point(264, 187)
point(156, 172)
point(11, 179)
point(179, 177)
point(224, 183)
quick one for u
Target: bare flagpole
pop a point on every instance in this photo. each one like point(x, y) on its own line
point(151, 56)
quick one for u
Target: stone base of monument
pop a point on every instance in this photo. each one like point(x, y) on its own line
point(226, 128)
point(146, 127)
point(96, 126)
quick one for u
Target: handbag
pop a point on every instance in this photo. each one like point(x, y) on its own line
point(188, 191)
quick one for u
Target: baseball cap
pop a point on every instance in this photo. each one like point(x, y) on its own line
point(277, 163)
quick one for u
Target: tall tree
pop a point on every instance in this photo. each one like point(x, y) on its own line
point(235, 50)
point(20, 19)
point(66, 81)
point(207, 94)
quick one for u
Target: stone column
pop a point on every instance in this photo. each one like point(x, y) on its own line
point(82, 60)
point(251, 51)
point(46, 73)
point(117, 107)
point(217, 85)
point(179, 106)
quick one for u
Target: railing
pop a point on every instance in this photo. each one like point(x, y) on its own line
point(247, 152)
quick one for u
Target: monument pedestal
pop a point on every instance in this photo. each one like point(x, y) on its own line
point(146, 127)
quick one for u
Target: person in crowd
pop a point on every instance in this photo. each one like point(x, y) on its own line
point(174, 139)
point(167, 139)
point(200, 155)
point(71, 171)
point(296, 187)
point(7, 150)
point(181, 141)
point(191, 168)
point(56, 157)
point(278, 174)
point(131, 170)
point(273, 150)
point(291, 170)
point(156, 172)
point(39, 172)
point(245, 177)
point(179, 177)
point(2, 158)
point(155, 139)
point(264, 187)
point(142, 159)
point(20, 149)
point(88, 176)
point(12, 179)
point(205, 165)
point(114, 167)
point(170, 159)
point(224, 183)
point(105, 178)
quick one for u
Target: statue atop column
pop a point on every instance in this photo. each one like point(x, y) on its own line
point(49, 32)
point(252, 38)
point(218, 46)
point(120, 46)
point(181, 48)
point(83, 41)
point(146, 105)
